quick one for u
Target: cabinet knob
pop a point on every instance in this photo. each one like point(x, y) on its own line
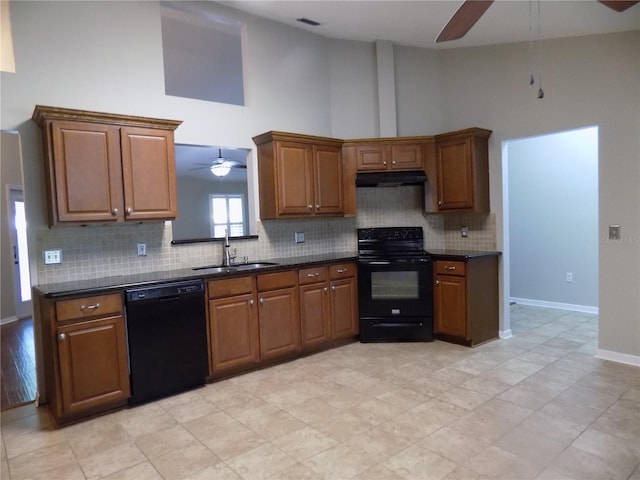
point(440, 203)
point(333, 288)
point(61, 336)
point(114, 212)
point(393, 162)
point(325, 289)
point(251, 302)
point(310, 207)
point(90, 307)
point(342, 270)
point(261, 301)
point(129, 211)
point(312, 275)
point(437, 282)
point(384, 163)
point(318, 207)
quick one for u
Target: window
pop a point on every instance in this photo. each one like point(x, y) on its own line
point(202, 53)
point(227, 213)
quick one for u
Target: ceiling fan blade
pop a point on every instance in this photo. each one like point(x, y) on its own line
point(464, 18)
point(619, 5)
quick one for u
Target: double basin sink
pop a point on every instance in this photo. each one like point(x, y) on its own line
point(238, 267)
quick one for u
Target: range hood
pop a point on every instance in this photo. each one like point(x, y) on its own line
point(391, 179)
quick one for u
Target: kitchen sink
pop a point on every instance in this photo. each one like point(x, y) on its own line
point(235, 267)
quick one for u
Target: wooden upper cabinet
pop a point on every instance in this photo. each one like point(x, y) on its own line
point(107, 168)
point(389, 154)
point(461, 169)
point(302, 176)
point(149, 173)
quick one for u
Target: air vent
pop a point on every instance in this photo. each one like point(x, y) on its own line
point(313, 23)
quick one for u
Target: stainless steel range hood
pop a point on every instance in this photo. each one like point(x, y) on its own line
point(391, 179)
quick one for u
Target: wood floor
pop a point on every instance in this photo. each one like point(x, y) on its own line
point(17, 364)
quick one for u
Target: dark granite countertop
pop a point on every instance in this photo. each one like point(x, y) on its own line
point(105, 284)
point(443, 254)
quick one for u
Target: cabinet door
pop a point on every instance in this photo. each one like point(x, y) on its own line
point(371, 157)
point(149, 174)
point(295, 185)
point(315, 322)
point(93, 364)
point(87, 172)
point(451, 305)
point(344, 308)
point(406, 157)
point(455, 174)
point(327, 162)
point(279, 322)
point(233, 332)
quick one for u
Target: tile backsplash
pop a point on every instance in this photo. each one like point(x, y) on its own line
point(108, 250)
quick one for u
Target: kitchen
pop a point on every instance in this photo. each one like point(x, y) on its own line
point(449, 101)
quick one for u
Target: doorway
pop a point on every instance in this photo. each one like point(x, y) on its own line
point(18, 239)
point(550, 218)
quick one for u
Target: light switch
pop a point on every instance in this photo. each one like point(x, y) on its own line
point(52, 256)
point(614, 232)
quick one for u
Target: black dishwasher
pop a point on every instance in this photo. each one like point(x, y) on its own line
point(167, 333)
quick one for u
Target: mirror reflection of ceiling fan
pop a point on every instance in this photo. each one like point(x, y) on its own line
point(471, 10)
point(221, 166)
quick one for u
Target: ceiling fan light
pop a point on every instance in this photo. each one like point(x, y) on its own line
point(220, 169)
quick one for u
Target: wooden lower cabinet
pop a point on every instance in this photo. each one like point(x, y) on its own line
point(329, 306)
point(84, 342)
point(279, 323)
point(466, 300)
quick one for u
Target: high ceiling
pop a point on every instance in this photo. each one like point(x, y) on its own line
point(418, 23)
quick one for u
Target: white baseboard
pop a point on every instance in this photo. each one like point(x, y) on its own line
point(12, 319)
point(619, 357)
point(557, 305)
point(505, 334)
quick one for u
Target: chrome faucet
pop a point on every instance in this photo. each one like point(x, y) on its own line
point(227, 257)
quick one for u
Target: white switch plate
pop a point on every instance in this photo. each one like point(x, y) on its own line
point(569, 277)
point(299, 237)
point(464, 232)
point(51, 257)
point(142, 249)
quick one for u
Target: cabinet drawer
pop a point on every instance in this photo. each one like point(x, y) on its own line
point(79, 308)
point(450, 268)
point(342, 270)
point(313, 275)
point(229, 287)
point(271, 281)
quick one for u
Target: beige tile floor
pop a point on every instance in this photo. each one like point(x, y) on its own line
point(536, 406)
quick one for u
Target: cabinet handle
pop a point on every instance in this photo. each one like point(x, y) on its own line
point(449, 267)
point(251, 302)
point(261, 301)
point(62, 336)
point(437, 282)
point(311, 275)
point(342, 270)
point(90, 307)
point(114, 211)
point(129, 211)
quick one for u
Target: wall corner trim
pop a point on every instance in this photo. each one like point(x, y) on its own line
point(504, 334)
point(618, 357)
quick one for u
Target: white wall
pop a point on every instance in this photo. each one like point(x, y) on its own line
point(588, 81)
point(553, 218)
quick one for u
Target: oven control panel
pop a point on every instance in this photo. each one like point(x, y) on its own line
point(390, 233)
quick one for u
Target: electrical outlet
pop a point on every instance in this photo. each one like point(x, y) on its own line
point(52, 256)
point(299, 237)
point(464, 232)
point(569, 277)
point(142, 249)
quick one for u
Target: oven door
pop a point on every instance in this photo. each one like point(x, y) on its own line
point(395, 288)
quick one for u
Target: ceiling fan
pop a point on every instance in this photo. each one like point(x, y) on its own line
point(221, 166)
point(471, 10)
